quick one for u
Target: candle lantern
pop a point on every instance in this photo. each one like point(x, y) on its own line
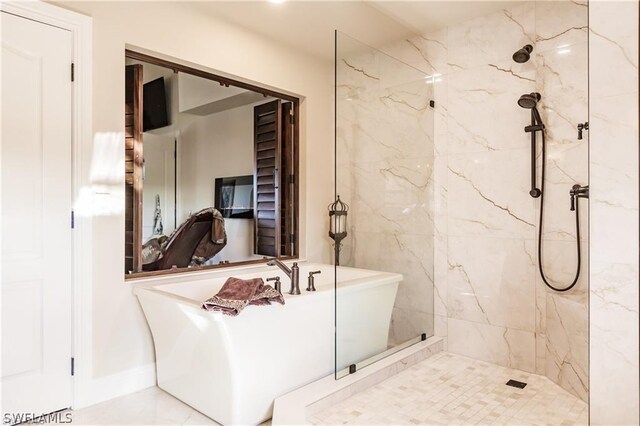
point(338, 224)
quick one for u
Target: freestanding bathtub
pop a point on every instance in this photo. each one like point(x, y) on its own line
point(232, 368)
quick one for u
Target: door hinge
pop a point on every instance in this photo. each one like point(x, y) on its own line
point(291, 111)
point(73, 366)
point(73, 219)
point(73, 71)
point(292, 178)
point(292, 238)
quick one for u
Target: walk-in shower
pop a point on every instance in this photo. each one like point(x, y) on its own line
point(530, 101)
point(432, 159)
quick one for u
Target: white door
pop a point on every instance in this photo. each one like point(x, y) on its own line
point(36, 288)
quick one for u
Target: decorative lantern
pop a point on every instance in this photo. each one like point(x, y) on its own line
point(338, 224)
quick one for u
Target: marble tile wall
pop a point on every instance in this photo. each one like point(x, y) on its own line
point(562, 78)
point(567, 342)
point(614, 169)
point(490, 302)
point(385, 170)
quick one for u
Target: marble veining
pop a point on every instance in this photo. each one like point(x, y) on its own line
point(479, 182)
point(614, 269)
point(613, 340)
point(499, 295)
point(385, 173)
point(489, 300)
point(489, 38)
point(488, 195)
point(567, 343)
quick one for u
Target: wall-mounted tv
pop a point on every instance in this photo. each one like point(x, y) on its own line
point(154, 105)
point(234, 197)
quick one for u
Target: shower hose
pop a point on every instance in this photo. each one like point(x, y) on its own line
point(577, 204)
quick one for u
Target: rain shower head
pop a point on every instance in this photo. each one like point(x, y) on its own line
point(529, 100)
point(523, 55)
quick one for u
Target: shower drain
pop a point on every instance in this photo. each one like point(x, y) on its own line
point(516, 384)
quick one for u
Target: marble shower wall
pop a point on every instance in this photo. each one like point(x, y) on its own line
point(613, 56)
point(490, 303)
point(562, 320)
point(384, 161)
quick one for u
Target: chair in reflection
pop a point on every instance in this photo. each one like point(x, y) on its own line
point(197, 240)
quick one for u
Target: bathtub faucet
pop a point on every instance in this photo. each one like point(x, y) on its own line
point(293, 273)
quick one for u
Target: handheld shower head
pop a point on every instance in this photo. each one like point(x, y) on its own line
point(529, 100)
point(523, 55)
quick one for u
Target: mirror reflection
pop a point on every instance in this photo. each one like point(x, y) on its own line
point(210, 169)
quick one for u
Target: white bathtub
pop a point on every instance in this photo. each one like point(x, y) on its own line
point(232, 368)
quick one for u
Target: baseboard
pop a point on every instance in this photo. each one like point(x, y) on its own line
point(119, 384)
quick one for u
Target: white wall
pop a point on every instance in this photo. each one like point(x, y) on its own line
point(121, 339)
point(159, 179)
point(216, 145)
point(158, 149)
point(614, 170)
point(213, 146)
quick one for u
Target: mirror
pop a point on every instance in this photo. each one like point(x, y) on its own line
point(211, 169)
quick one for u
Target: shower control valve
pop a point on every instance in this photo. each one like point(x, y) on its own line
point(581, 127)
point(578, 191)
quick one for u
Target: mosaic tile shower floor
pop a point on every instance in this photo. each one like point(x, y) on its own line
point(449, 389)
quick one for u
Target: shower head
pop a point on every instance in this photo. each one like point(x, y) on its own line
point(529, 100)
point(523, 55)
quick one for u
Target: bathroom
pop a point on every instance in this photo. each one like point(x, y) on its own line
point(423, 118)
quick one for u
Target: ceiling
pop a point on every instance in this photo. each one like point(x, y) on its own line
point(309, 25)
point(423, 16)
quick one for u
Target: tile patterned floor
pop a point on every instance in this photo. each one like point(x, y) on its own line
point(445, 389)
point(449, 389)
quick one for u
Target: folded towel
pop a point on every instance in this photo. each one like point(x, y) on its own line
point(236, 294)
point(265, 294)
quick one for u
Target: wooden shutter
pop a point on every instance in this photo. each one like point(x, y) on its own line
point(287, 182)
point(133, 168)
point(267, 120)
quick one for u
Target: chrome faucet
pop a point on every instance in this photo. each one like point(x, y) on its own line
point(293, 273)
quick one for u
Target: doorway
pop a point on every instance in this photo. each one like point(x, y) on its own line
point(37, 196)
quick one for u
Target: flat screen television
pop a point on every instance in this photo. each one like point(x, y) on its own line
point(154, 105)
point(234, 197)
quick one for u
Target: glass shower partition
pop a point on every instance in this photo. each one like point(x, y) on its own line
point(384, 172)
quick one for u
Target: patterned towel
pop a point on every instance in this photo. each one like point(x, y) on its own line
point(265, 294)
point(236, 294)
